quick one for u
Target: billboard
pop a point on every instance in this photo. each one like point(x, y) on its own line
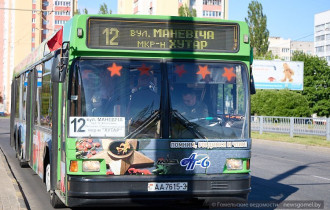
point(270, 74)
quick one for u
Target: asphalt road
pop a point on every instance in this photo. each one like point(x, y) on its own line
point(280, 172)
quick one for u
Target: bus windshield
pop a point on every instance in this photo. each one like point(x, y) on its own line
point(206, 100)
point(121, 88)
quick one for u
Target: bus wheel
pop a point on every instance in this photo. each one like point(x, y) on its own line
point(47, 181)
point(19, 155)
point(54, 199)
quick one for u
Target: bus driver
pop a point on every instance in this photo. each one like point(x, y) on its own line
point(192, 108)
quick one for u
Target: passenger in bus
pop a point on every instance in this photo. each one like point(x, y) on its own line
point(192, 108)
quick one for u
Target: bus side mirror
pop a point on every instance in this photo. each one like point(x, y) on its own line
point(60, 64)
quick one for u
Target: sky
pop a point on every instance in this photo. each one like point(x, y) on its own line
point(289, 19)
point(93, 5)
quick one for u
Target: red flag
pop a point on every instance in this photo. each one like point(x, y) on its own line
point(56, 41)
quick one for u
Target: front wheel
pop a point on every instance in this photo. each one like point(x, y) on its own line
point(54, 199)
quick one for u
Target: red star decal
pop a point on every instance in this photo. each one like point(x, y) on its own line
point(180, 70)
point(114, 69)
point(229, 73)
point(144, 70)
point(203, 71)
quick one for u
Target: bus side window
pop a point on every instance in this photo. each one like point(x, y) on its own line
point(17, 97)
point(46, 95)
point(38, 74)
point(25, 86)
point(76, 99)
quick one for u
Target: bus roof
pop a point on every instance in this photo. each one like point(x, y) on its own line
point(81, 45)
point(85, 44)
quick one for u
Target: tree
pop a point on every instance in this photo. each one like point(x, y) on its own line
point(284, 103)
point(316, 82)
point(77, 12)
point(267, 56)
point(259, 33)
point(184, 11)
point(85, 11)
point(104, 9)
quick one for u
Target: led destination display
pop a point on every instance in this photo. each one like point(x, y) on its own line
point(162, 35)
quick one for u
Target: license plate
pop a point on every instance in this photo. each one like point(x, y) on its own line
point(167, 186)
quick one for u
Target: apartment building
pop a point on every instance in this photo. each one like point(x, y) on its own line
point(48, 16)
point(280, 47)
point(322, 35)
point(284, 48)
point(302, 46)
point(25, 24)
point(2, 17)
point(204, 8)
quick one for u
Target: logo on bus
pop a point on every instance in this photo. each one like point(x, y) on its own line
point(195, 159)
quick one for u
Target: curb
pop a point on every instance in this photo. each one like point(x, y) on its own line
point(21, 199)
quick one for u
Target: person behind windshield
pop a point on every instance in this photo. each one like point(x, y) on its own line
point(192, 108)
point(98, 91)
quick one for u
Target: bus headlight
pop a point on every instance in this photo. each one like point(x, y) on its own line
point(234, 164)
point(91, 166)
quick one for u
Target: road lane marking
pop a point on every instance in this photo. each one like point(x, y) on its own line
point(321, 177)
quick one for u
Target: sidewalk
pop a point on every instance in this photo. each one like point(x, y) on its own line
point(10, 195)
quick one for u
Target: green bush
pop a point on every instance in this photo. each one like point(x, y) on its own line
point(316, 82)
point(284, 103)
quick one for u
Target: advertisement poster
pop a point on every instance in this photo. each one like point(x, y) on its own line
point(269, 74)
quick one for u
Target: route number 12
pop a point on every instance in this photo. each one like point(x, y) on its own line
point(80, 122)
point(108, 39)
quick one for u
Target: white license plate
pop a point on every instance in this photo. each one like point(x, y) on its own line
point(167, 186)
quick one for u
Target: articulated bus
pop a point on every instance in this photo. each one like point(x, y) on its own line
point(121, 108)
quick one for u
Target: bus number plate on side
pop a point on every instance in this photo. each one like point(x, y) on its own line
point(167, 186)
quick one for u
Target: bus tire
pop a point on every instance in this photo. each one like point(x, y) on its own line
point(19, 154)
point(47, 178)
point(22, 164)
point(54, 199)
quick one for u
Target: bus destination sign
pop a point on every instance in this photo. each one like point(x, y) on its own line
point(162, 35)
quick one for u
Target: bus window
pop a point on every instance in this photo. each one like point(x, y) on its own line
point(111, 88)
point(43, 111)
point(207, 100)
point(37, 109)
point(17, 97)
point(46, 95)
point(25, 86)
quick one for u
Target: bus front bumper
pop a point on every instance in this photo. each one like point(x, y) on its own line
point(133, 189)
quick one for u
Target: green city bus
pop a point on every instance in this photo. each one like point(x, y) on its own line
point(126, 108)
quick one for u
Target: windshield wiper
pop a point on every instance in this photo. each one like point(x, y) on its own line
point(149, 120)
point(187, 124)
